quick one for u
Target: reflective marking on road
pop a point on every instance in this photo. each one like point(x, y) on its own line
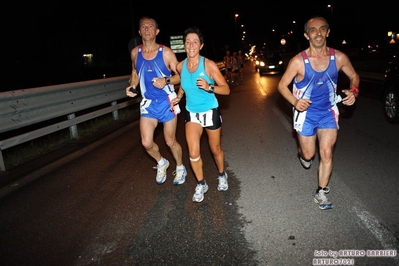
point(260, 88)
point(386, 238)
point(283, 119)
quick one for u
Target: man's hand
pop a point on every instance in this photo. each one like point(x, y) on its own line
point(131, 91)
point(350, 98)
point(302, 104)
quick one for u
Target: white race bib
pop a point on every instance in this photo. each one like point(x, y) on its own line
point(203, 118)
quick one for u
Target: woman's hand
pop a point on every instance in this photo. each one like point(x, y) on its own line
point(202, 84)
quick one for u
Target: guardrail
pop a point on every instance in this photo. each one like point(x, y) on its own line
point(21, 109)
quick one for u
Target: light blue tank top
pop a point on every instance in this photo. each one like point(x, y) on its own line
point(197, 100)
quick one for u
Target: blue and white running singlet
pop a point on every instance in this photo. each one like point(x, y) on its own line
point(155, 102)
point(320, 88)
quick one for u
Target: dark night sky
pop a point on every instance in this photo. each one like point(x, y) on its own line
point(45, 40)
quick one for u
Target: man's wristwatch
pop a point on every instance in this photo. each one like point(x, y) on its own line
point(167, 80)
point(211, 88)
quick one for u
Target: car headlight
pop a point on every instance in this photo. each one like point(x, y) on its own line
point(262, 64)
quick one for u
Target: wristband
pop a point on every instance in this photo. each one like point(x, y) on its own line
point(211, 88)
point(167, 80)
point(355, 91)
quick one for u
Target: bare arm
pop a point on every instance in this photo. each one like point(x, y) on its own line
point(295, 69)
point(221, 87)
point(134, 79)
point(344, 64)
point(180, 92)
point(171, 62)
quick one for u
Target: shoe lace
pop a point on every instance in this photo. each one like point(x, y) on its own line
point(178, 172)
point(199, 189)
point(158, 167)
point(322, 196)
point(222, 180)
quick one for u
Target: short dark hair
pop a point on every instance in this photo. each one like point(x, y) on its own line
point(195, 30)
point(145, 17)
point(305, 28)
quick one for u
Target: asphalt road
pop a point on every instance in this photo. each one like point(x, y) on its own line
point(98, 203)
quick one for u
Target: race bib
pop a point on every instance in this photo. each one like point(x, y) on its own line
point(299, 119)
point(203, 118)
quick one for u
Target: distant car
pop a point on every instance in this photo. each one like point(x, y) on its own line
point(390, 91)
point(271, 63)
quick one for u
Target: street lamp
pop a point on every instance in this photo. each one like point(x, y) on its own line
point(235, 28)
point(331, 11)
point(235, 21)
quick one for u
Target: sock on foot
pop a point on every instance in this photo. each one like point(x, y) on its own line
point(320, 188)
point(180, 167)
point(162, 161)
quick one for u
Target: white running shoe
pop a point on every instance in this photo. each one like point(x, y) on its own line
point(180, 176)
point(200, 190)
point(223, 185)
point(305, 164)
point(321, 199)
point(161, 172)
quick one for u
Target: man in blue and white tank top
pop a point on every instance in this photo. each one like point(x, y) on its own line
point(154, 70)
point(314, 74)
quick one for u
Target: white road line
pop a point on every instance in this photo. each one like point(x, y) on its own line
point(283, 119)
point(386, 238)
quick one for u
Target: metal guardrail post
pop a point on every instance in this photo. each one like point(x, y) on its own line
point(73, 130)
point(2, 165)
point(115, 113)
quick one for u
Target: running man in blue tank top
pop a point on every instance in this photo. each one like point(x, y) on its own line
point(201, 79)
point(154, 69)
point(314, 74)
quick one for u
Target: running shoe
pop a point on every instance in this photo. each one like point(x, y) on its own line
point(223, 185)
point(161, 172)
point(322, 200)
point(305, 164)
point(180, 176)
point(200, 190)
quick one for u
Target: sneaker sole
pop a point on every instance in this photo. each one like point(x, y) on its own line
point(198, 200)
point(323, 206)
point(205, 190)
point(161, 182)
point(181, 181)
point(223, 189)
point(178, 183)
